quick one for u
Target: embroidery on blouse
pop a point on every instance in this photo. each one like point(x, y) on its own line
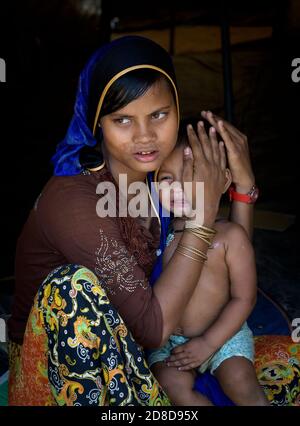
point(116, 266)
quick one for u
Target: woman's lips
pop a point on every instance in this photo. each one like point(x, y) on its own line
point(146, 156)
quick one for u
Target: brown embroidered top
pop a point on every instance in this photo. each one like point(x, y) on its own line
point(63, 227)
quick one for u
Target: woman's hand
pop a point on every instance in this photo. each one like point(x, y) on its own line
point(237, 151)
point(204, 162)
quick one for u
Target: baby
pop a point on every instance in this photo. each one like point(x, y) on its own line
point(212, 333)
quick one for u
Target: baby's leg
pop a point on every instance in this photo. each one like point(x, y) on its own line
point(178, 385)
point(238, 380)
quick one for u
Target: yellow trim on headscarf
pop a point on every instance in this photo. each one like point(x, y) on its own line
point(125, 71)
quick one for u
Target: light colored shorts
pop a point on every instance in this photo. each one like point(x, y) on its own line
point(241, 344)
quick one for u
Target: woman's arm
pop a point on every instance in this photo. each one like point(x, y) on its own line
point(177, 283)
point(242, 213)
point(238, 156)
point(67, 218)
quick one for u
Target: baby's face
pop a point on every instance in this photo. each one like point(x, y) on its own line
point(169, 178)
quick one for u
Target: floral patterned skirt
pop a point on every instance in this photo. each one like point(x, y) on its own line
point(277, 364)
point(77, 349)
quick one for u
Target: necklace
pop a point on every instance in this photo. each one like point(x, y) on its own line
point(152, 203)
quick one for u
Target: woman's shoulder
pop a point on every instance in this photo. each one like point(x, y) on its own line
point(71, 200)
point(72, 189)
point(70, 183)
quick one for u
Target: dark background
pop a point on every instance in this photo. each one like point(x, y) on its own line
point(46, 43)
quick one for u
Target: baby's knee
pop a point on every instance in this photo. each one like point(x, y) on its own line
point(171, 378)
point(238, 373)
point(243, 371)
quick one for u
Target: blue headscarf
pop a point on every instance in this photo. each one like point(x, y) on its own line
point(109, 63)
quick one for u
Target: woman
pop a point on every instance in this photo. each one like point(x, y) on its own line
point(82, 341)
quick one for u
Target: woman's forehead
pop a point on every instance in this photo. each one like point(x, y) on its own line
point(158, 96)
point(164, 87)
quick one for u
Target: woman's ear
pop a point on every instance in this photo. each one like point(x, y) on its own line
point(228, 180)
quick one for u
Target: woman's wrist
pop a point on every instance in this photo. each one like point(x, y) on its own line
point(210, 215)
point(206, 217)
point(245, 188)
point(201, 232)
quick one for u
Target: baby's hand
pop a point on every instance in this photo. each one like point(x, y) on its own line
point(191, 354)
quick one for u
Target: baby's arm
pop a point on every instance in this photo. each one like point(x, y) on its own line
point(240, 261)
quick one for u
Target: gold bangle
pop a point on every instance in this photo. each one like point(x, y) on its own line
point(209, 230)
point(194, 251)
point(192, 225)
point(203, 229)
point(200, 253)
point(201, 237)
point(190, 257)
point(204, 239)
point(208, 239)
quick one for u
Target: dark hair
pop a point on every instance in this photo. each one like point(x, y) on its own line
point(123, 91)
point(182, 139)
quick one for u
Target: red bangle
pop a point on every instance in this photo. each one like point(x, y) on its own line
point(249, 198)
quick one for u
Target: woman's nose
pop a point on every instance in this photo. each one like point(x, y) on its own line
point(143, 132)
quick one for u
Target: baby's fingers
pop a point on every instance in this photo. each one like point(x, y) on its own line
point(178, 362)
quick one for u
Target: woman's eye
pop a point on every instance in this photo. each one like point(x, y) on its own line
point(122, 120)
point(159, 115)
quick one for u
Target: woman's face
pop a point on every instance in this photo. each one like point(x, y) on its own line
point(140, 136)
